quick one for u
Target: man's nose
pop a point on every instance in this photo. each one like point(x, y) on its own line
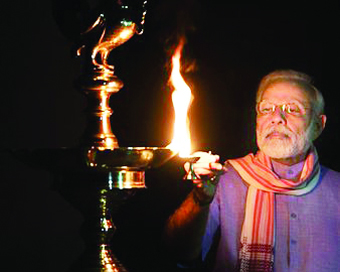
point(278, 116)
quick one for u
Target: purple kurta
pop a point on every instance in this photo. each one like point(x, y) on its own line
point(307, 228)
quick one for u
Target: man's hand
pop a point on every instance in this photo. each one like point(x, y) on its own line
point(207, 169)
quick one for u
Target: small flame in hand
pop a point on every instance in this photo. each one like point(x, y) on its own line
point(181, 99)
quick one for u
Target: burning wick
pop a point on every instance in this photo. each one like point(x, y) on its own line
point(181, 99)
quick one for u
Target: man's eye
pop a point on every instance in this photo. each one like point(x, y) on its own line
point(293, 108)
point(266, 108)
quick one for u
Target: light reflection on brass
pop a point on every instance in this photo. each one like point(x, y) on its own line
point(99, 33)
point(106, 44)
point(128, 179)
point(126, 165)
point(98, 81)
point(108, 262)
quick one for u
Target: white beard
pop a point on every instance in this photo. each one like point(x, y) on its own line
point(282, 148)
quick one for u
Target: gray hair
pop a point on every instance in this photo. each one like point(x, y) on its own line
point(301, 80)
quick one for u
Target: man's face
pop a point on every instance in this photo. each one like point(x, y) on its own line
point(284, 133)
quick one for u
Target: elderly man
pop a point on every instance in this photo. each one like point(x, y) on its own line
point(277, 210)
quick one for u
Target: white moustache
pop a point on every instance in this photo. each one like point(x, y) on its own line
point(280, 130)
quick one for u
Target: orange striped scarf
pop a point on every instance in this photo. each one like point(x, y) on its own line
point(258, 230)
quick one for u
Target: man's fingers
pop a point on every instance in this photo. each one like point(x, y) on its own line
point(206, 166)
point(215, 166)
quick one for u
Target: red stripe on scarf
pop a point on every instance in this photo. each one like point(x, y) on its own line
point(256, 253)
point(252, 173)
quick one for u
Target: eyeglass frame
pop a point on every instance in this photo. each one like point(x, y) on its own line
point(283, 108)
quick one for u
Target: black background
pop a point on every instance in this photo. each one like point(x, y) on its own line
point(230, 46)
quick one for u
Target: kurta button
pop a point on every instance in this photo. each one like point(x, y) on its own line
point(293, 242)
point(293, 215)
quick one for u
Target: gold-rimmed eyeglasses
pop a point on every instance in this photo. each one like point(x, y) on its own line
point(292, 108)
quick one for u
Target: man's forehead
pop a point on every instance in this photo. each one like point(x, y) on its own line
point(285, 92)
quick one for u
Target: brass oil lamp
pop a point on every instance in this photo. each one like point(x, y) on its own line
point(127, 165)
point(103, 28)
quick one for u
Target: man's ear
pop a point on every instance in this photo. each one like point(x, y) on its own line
point(323, 120)
point(319, 125)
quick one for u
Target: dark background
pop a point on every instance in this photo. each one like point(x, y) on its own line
point(230, 46)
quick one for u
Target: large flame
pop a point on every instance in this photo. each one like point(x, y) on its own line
point(181, 99)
